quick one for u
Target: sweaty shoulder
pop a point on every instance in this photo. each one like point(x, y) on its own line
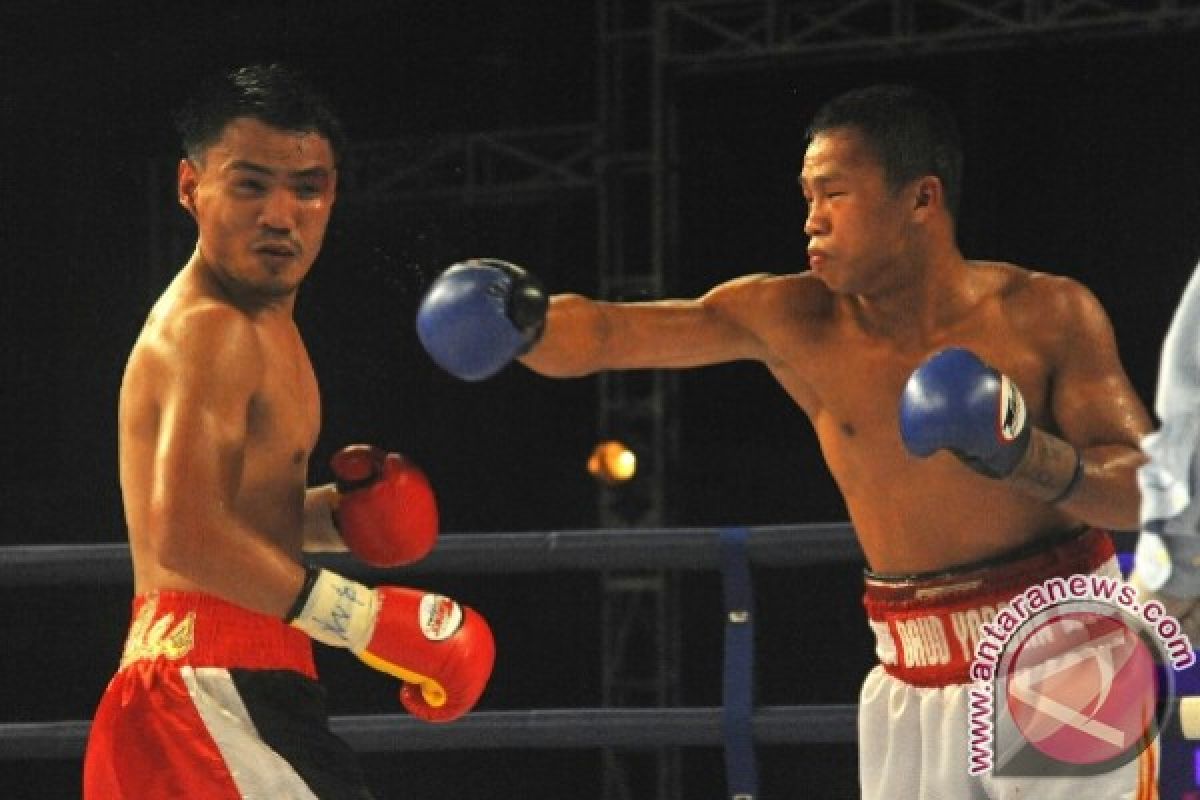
point(1048, 305)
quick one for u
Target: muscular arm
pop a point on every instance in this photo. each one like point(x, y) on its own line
point(1097, 410)
point(583, 336)
point(213, 370)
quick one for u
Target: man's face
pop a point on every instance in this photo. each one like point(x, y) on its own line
point(261, 198)
point(856, 224)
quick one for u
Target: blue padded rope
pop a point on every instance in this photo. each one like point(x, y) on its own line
point(741, 769)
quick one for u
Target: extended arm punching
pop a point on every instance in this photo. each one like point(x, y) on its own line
point(479, 316)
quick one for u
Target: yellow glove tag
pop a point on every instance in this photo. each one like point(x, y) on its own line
point(431, 690)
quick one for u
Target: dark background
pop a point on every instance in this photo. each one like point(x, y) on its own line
point(1081, 159)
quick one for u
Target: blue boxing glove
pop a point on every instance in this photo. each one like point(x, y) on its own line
point(956, 402)
point(479, 315)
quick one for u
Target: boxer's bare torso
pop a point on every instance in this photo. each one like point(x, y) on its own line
point(219, 408)
point(887, 289)
point(277, 422)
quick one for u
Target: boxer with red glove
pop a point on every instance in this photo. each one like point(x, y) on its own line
point(442, 651)
point(954, 401)
point(385, 509)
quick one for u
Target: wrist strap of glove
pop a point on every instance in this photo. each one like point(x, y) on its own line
point(335, 610)
point(310, 578)
point(1072, 484)
point(527, 301)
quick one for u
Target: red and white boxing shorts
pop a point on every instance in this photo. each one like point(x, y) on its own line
point(217, 702)
point(913, 709)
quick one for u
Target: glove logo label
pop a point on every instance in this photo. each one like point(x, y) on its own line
point(1012, 411)
point(439, 617)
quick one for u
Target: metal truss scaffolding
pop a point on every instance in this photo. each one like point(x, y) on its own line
point(511, 167)
point(504, 167)
point(636, 208)
point(709, 35)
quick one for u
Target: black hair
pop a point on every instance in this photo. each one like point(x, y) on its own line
point(911, 132)
point(273, 94)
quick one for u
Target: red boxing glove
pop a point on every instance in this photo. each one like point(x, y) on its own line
point(443, 652)
point(386, 511)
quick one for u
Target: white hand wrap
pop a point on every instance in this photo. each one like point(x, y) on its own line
point(338, 612)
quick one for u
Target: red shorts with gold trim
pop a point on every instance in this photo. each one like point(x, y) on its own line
point(215, 701)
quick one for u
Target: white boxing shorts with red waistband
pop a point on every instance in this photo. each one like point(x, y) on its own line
point(214, 701)
point(914, 707)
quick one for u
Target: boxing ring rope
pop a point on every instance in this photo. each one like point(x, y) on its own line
point(480, 553)
point(591, 550)
point(549, 729)
point(737, 726)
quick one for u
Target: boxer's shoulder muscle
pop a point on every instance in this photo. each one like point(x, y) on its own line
point(1055, 315)
point(773, 305)
point(187, 349)
point(791, 317)
point(205, 339)
point(1042, 295)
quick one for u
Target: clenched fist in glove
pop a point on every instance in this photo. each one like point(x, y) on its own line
point(385, 511)
point(442, 651)
point(479, 315)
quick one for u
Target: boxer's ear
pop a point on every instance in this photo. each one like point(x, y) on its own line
point(188, 179)
point(928, 192)
point(927, 196)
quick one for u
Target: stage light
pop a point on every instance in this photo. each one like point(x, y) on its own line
point(611, 462)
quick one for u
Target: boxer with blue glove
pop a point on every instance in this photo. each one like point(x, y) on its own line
point(480, 315)
point(885, 286)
